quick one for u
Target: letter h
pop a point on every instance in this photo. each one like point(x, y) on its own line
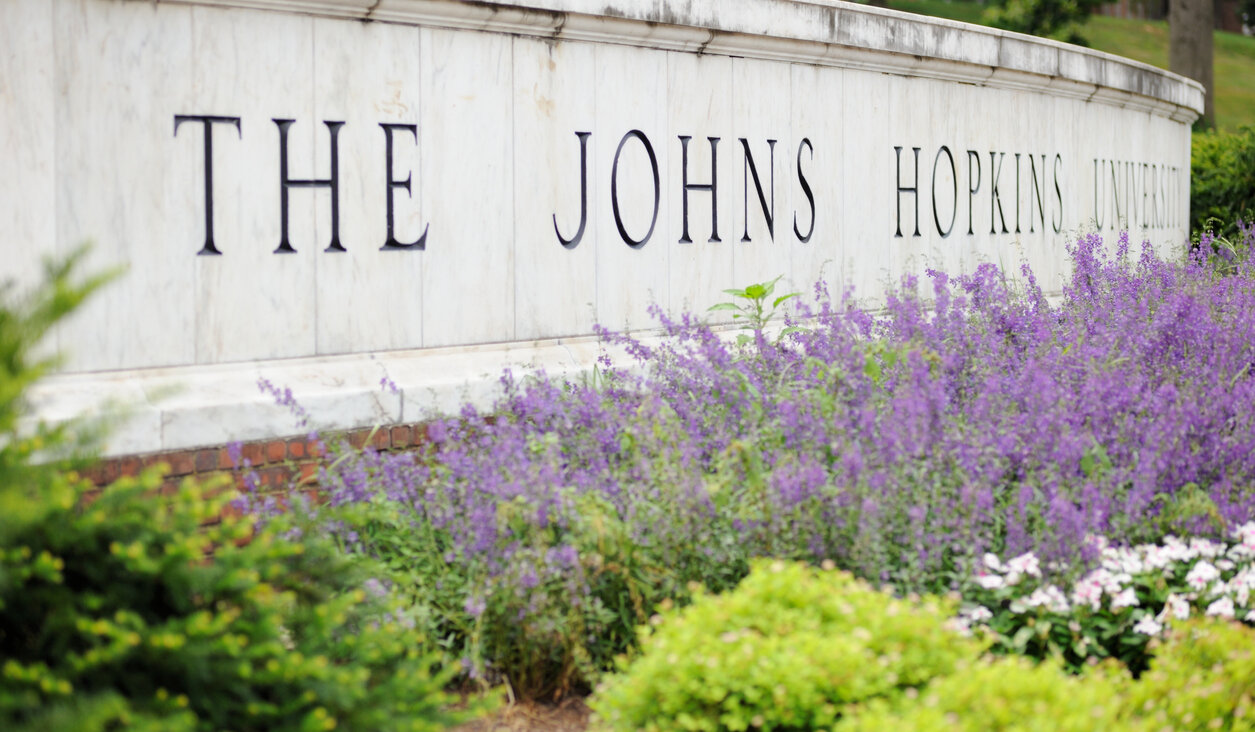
point(333, 182)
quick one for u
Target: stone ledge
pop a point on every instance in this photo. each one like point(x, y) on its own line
point(823, 32)
point(209, 406)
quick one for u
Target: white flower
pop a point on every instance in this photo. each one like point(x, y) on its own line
point(1242, 584)
point(1250, 617)
point(1158, 557)
point(1148, 626)
point(1126, 561)
point(1202, 575)
point(993, 563)
point(1050, 598)
point(1222, 608)
point(1088, 592)
point(1127, 598)
point(1176, 606)
point(979, 614)
point(989, 581)
point(1025, 564)
point(1206, 548)
point(1176, 550)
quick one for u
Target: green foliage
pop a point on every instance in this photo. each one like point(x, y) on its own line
point(25, 321)
point(203, 627)
point(135, 610)
point(750, 306)
point(1203, 678)
point(1222, 182)
point(1006, 695)
point(789, 648)
point(552, 640)
point(1061, 20)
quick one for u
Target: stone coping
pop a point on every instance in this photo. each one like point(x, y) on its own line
point(200, 406)
point(823, 32)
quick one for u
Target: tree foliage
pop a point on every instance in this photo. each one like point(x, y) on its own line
point(1061, 20)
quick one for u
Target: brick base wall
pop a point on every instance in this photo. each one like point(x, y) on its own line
point(275, 463)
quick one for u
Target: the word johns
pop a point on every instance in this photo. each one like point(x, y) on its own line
point(287, 182)
point(689, 187)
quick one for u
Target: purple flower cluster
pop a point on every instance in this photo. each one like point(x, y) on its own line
point(972, 414)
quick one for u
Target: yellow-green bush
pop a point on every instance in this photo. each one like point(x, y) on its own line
point(1010, 694)
point(789, 648)
point(1202, 678)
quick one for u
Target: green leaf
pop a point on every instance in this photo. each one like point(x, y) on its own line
point(784, 298)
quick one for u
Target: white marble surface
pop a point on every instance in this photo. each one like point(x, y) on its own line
point(368, 74)
point(553, 100)
point(27, 114)
point(760, 113)
point(89, 90)
point(467, 160)
point(120, 178)
point(250, 302)
point(630, 94)
point(699, 106)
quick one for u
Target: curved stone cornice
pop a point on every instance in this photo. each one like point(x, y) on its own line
point(822, 32)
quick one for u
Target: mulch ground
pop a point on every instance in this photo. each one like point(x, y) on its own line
point(570, 715)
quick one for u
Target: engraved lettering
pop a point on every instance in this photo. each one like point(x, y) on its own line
point(574, 241)
point(712, 187)
point(208, 121)
point(806, 189)
point(614, 189)
point(748, 169)
point(393, 244)
point(913, 189)
point(332, 183)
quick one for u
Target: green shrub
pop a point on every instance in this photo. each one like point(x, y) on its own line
point(789, 648)
point(1222, 181)
point(126, 610)
point(120, 598)
point(1202, 678)
point(1004, 695)
point(1061, 20)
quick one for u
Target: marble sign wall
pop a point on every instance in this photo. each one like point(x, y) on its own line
point(321, 191)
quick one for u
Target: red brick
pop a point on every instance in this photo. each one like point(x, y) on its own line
point(253, 453)
point(276, 451)
point(181, 463)
point(356, 438)
point(206, 460)
point(95, 474)
point(297, 449)
point(231, 511)
point(274, 477)
point(402, 435)
point(381, 439)
point(309, 472)
point(224, 459)
point(111, 472)
point(129, 466)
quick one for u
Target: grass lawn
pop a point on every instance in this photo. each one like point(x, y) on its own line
point(1145, 41)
